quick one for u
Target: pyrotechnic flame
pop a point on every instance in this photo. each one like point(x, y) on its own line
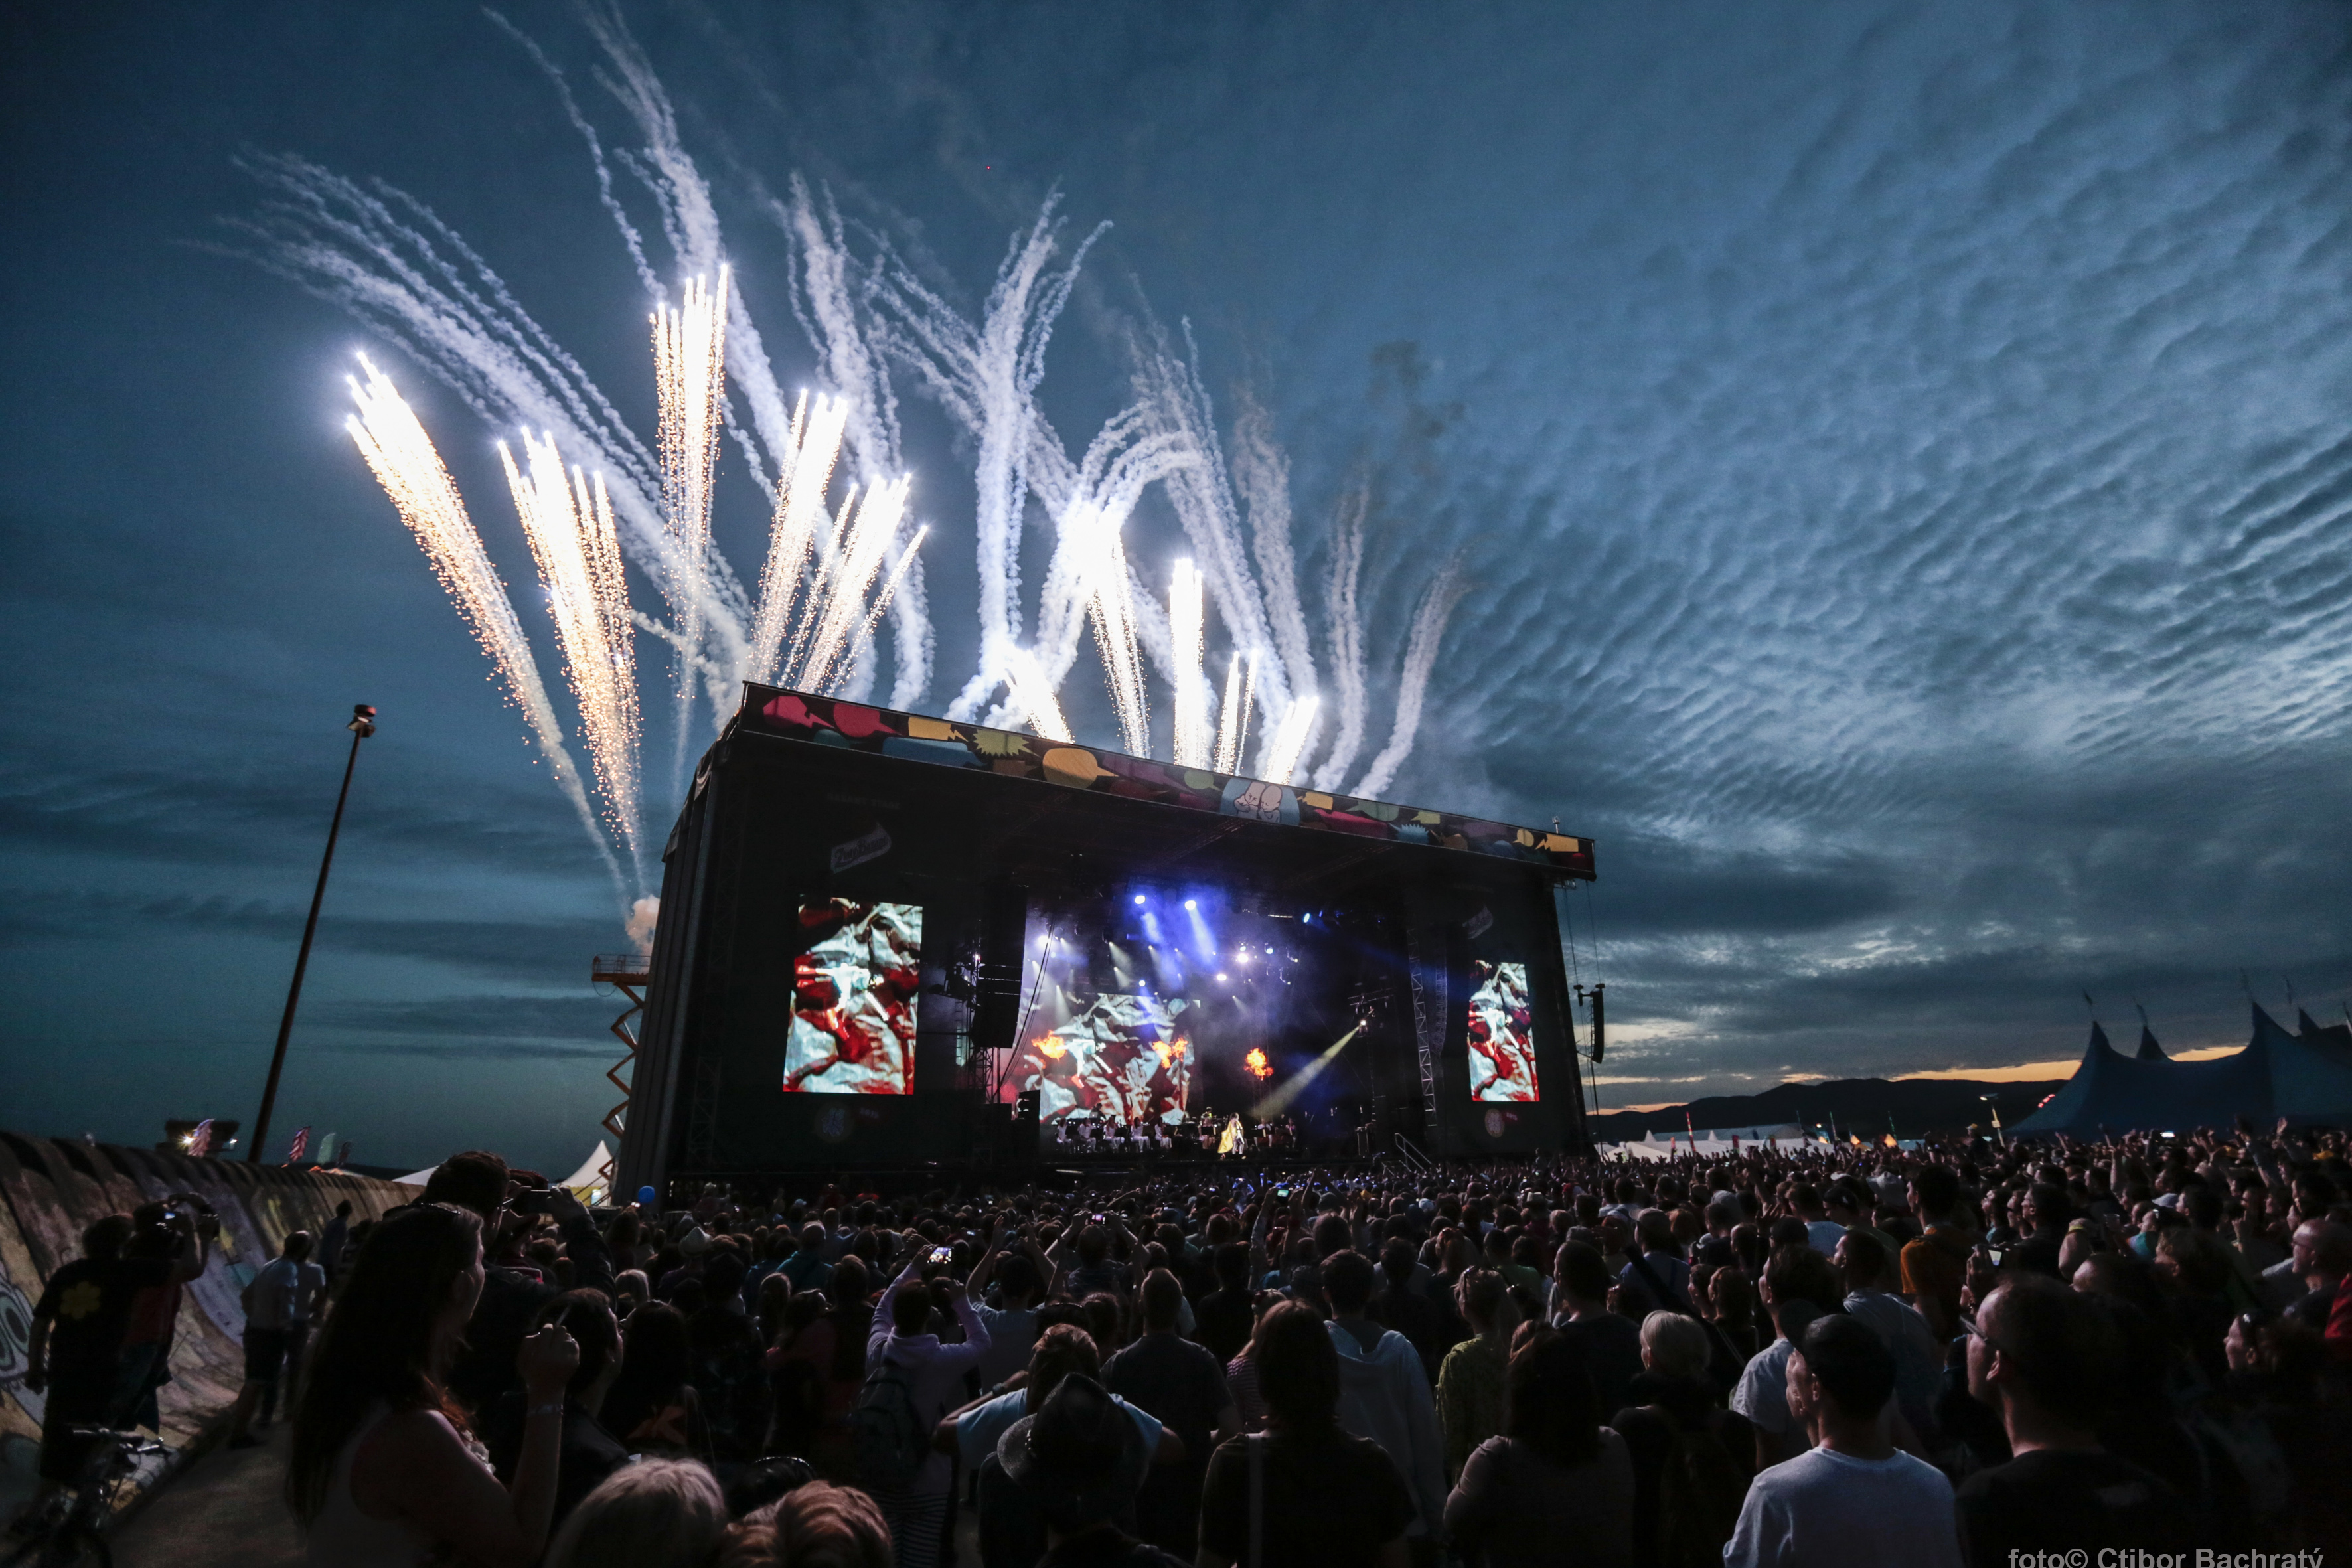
point(1256, 1063)
point(405, 462)
point(1290, 738)
point(573, 540)
point(690, 381)
point(1170, 1052)
point(1192, 739)
point(807, 467)
point(1110, 605)
point(1035, 696)
point(861, 539)
point(1233, 726)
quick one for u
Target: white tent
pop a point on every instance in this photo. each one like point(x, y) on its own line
point(588, 1183)
point(594, 1176)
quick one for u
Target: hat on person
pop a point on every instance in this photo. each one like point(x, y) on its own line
point(695, 1242)
point(1080, 1458)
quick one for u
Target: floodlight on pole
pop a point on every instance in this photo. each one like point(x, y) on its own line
point(362, 726)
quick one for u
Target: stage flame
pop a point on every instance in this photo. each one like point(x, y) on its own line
point(1258, 1065)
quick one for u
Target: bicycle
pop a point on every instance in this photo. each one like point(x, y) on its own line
point(66, 1529)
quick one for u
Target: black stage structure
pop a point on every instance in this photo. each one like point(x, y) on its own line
point(889, 943)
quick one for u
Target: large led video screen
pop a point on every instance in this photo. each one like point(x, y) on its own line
point(1502, 1037)
point(857, 978)
point(1098, 1038)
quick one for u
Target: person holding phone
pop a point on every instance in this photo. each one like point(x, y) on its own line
point(506, 1203)
point(901, 1349)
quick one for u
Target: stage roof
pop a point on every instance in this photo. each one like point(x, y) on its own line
point(882, 731)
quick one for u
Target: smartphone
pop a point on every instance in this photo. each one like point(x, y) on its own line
point(1993, 1253)
point(943, 1254)
point(1282, 1192)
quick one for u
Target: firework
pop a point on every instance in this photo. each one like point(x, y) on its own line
point(807, 464)
point(1110, 605)
point(1191, 739)
point(1035, 697)
point(690, 381)
point(1232, 725)
point(402, 456)
point(861, 539)
point(570, 526)
point(1289, 742)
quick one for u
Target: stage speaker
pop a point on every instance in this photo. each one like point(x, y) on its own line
point(1024, 1107)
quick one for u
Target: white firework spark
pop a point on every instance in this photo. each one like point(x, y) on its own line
point(403, 458)
point(1289, 742)
point(1191, 742)
point(569, 523)
point(807, 464)
point(690, 379)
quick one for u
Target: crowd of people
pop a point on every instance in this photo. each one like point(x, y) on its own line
point(1945, 1355)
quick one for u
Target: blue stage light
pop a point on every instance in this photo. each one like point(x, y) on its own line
point(1139, 898)
point(1192, 903)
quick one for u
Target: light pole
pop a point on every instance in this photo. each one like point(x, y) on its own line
point(362, 726)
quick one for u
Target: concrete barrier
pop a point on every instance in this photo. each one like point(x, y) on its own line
point(50, 1189)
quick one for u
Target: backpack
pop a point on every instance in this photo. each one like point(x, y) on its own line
point(891, 1443)
point(1700, 1490)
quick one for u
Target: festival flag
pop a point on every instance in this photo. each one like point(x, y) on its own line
point(343, 1155)
point(200, 1142)
point(301, 1142)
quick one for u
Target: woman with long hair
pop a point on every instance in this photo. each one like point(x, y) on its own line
point(1470, 1379)
point(1557, 1488)
point(383, 1469)
point(652, 1407)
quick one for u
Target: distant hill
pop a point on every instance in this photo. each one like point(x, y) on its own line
point(1861, 1105)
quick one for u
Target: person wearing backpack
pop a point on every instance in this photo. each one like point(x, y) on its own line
point(911, 1382)
point(1691, 1466)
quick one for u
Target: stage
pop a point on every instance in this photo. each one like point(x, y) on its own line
point(892, 941)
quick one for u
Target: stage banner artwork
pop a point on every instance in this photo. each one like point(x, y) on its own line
point(1502, 1039)
point(854, 986)
point(830, 721)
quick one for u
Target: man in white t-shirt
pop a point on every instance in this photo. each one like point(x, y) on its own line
point(280, 1304)
point(1854, 1496)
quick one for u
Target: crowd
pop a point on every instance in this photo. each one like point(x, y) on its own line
point(1937, 1356)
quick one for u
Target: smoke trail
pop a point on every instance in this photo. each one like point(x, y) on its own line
point(1169, 386)
point(985, 376)
point(1263, 474)
point(629, 236)
point(1346, 630)
point(827, 308)
point(1444, 591)
point(402, 456)
point(351, 247)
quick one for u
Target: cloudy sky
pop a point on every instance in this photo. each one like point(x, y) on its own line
point(1901, 453)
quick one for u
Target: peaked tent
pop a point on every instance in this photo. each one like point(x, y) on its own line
point(2277, 1074)
point(2149, 1051)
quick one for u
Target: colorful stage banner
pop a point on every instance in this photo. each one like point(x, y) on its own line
point(829, 722)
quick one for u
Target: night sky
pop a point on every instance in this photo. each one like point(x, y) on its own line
point(1900, 454)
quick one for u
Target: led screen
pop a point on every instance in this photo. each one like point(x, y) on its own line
point(1103, 1031)
point(1502, 1044)
point(854, 986)
point(1123, 1058)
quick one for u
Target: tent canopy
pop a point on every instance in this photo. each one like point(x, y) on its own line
point(2305, 1078)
